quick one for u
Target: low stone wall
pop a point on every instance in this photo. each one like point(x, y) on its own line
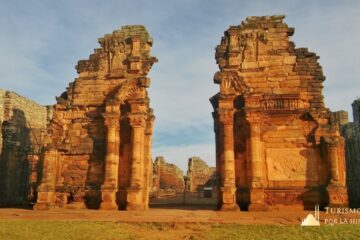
point(186, 199)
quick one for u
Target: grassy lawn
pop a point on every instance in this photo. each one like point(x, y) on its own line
point(88, 230)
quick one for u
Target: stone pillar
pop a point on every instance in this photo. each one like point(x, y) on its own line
point(110, 185)
point(46, 197)
point(135, 191)
point(337, 191)
point(33, 160)
point(217, 143)
point(334, 164)
point(228, 188)
point(147, 159)
point(255, 158)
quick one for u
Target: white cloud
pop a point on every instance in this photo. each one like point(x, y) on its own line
point(41, 43)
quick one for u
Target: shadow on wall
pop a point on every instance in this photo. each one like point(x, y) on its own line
point(316, 192)
point(14, 166)
point(316, 170)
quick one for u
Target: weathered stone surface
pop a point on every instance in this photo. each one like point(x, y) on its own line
point(99, 139)
point(351, 133)
point(200, 175)
point(170, 187)
point(22, 130)
point(168, 179)
point(274, 136)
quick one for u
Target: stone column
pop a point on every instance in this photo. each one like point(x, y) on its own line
point(33, 160)
point(217, 143)
point(228, 188)
point(135, 191)
point(110, 185)
point(147, 158)
point(46, 197)
point(255, 157)
point(334, 164)
point(337, 191)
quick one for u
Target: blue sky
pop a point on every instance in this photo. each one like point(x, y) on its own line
point(41, 42)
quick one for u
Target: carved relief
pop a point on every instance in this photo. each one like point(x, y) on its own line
point(230, 83)
point(284, 102)
point(137, 120)
point(292, 164)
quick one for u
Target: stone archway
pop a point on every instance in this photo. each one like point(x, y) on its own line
point(278, 145)
point(271, 125)
point(134, 166)
point(99, 141)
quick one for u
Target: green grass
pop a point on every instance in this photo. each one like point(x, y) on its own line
point(335, 232)
point(69, 230)
point(41, 230)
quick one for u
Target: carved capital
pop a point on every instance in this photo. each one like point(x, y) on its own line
point(253, 117)
point(137, 119)
point(112, 106)
point(332, 141)
point(111, 120)
point(226, 116)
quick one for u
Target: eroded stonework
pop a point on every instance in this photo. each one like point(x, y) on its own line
point(351, 133)
point(22, 135)
point(171, 187)
point(200, 175)
point(99, 140)
point(168, 179)
point(276, 143)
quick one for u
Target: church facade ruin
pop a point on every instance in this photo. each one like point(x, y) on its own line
point(275, 141)
point(98, 150)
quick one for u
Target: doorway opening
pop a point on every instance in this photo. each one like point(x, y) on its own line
point(171, 188)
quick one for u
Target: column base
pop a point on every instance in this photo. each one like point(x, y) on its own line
point(44, 206)
point(108, 197)
point(134, 199)
point(76, 205)
point(257, 200)
point(45, 201)
point(109, 206)
point(228, 199)
point(229, 207)
point(338, 196)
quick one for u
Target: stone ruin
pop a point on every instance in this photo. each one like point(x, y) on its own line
point(171, 187)
point(200, 175)
point(22, 134)
point(275, 141)
point(168, 179)
point(98, 151)
point(351, 133)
